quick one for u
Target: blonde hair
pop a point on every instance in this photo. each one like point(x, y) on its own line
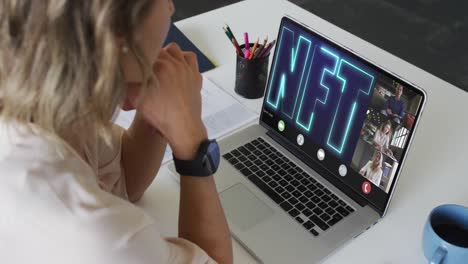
point(390, 131)
point(59, 61)
point(379, 155)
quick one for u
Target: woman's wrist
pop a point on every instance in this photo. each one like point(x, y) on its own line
point(186, 146)
point(140, 127)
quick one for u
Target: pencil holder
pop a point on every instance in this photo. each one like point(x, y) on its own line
point(251, 75)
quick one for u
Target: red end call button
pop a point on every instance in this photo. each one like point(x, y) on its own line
point(366, 187)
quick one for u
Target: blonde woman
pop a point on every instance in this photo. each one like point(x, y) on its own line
point(382, 137)
point(68, 174)
point(372, 170)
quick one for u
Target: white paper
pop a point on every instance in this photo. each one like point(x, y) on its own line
point(221, 114)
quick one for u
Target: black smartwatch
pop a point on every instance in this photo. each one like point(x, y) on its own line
point(206, 162)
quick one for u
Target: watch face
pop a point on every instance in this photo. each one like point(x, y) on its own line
point(213, 155)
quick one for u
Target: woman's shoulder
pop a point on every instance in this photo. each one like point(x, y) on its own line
point(59, 182)
point(379, 134)
point(367, 165)
point(379, 171)
point(26, 146)
point(30, 157)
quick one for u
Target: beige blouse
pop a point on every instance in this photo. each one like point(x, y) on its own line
point(59, 208)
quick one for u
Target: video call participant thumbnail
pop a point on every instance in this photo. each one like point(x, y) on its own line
point(394, 107)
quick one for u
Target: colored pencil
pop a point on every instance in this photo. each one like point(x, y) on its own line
point(252, 53)
point(247, 45)
point(267, 49)
point(230, 31)
point(234, 42)
point(260, 49)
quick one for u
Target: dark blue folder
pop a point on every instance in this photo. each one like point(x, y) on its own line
point(175, 35)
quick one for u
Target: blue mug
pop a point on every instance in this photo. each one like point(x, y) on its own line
point(445, 238)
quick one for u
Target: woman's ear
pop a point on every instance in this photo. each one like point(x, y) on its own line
point(171, 7)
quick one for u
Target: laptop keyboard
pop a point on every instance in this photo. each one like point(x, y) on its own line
point(294, 190)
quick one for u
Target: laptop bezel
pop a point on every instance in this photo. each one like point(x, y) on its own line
point(347, 189)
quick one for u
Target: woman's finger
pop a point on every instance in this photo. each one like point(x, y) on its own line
point(174, 50)
point(191, 60)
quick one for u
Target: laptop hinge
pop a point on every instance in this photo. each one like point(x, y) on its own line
point(319, 169)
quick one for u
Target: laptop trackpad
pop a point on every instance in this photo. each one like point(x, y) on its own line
point(243, 208)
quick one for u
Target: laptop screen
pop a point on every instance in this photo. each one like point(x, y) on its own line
point(347, 115)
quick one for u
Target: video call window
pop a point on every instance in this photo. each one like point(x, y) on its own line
point(385, 132)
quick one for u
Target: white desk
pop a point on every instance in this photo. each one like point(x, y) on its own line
point(435, 170)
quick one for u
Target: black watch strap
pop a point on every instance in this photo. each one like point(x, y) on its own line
point(205, 163)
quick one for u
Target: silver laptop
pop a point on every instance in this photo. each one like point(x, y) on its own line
point(321, 166)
